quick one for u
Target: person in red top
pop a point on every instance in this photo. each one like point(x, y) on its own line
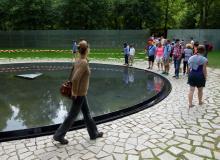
point(159, 56)
point(195, 47)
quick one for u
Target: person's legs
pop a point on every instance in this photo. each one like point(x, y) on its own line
point(90, 123)
point(175, 66)
point(69, 120)
point(150, 60)
point(190, 95)
point(178, 68)
point(168, 66)
point(184, 67)
point(161, 63)
point(132, 60)
point(158, 65)
point(126, 59)
point(152, 64)
point(187, 68)
point(165, 67)
point(149, 64)
point(200, 94)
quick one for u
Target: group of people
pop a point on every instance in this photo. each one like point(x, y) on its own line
point(163, 51)
point(129, 52)
point(193, 55)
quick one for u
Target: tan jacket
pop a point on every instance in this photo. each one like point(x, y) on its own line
point(80, 78)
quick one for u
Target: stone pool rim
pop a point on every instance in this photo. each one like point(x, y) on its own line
point(50, 129)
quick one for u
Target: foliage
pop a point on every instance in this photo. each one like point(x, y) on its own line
point(108, 14)
point(26, 14)
point(83, 14)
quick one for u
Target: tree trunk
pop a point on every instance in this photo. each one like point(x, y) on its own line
point(166, 18)
point(204, 14)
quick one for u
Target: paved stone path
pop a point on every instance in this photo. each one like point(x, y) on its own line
point(166, 131)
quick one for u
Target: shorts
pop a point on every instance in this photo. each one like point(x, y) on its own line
point(159, 59)
point(166, 61)
point(195, 80)
point(151, 58)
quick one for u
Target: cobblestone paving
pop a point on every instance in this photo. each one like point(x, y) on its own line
point(166, 131)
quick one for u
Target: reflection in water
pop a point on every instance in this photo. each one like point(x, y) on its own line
point(33, 103)
point(128, 75)
point(157, 84)
point(61, 113)
point(14, 121)
point(150, 83)
point(5, 112)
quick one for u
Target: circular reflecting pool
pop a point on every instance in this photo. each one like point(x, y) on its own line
point(31, 107)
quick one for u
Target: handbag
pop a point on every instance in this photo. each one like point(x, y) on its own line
point(66, 87)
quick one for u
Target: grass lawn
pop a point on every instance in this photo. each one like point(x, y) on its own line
point(94, 53)
point(102, 54)
point(214, 59)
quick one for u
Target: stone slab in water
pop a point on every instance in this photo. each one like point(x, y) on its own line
point(30, 76)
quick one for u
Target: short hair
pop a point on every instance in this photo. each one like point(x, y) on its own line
point(177, 40)
point(196, 43)
point(201, 49)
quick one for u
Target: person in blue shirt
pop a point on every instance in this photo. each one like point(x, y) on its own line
point(74, 49)
point(126, 51)
point(150, 51)
point(166, 56)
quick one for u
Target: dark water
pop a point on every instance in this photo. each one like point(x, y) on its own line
point(32, 103)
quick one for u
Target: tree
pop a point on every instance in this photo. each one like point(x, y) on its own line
point(83, 14)
point(26, 14)
point(203, 7)
point(108, 14)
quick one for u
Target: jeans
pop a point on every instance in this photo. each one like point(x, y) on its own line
point(80, 103)
point(177, 66)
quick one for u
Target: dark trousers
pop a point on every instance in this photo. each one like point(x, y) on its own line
point(126, 59)
point(177, 66)
point(80, 103)
point(185, 66)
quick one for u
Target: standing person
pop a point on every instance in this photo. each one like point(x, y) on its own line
point(150, 51)
point(162, 40)
point(159, 56)
point(131, 55)
point(177, 55)
point(197, 74)
point(80, 83)
point(188, 52)
point(195, 47)
point(166, 57)
point(206, 49)
point(126, 53)
point(172, 48)
point(74, 49)
point(192, 41)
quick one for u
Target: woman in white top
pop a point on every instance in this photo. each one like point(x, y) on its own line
point(131, 55)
